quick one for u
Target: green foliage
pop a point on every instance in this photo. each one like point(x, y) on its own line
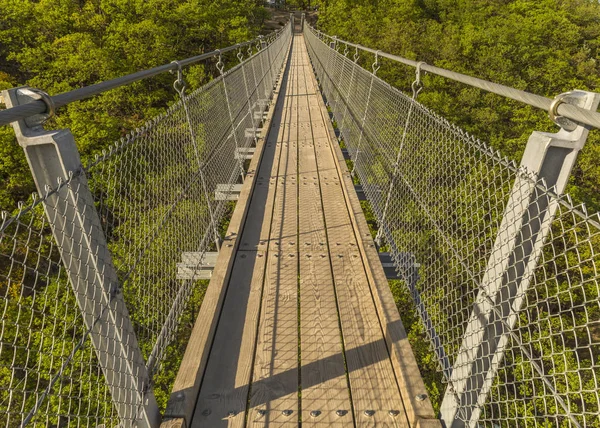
point(544, 47)
point(61, 45)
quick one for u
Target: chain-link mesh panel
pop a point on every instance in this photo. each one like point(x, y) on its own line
point(162, 191)
point(450, 210)
point(550, 371)
point(95, 275)
point(49, 373)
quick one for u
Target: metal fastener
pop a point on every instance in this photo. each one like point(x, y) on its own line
point(315, 413)
point(369, 413)
point(341, 412)
point(394, 413)
point(262, 412)
point(421, 397)
point(231, 414)
point(287, 412)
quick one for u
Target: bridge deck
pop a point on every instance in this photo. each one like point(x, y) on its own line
point(308, 332)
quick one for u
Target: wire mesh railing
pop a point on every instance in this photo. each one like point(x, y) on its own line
point(91, 271)
point(47, 366)
point(502, 270)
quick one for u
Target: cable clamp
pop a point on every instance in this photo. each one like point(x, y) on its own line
point(38, 94)
point(417, 85)
point(220, 65)
point(563, 122)
point(376, 65)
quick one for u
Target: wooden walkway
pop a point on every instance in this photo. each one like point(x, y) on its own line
point(298, 326)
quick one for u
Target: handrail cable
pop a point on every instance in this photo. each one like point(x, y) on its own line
point(39, 106)
point(570, 111)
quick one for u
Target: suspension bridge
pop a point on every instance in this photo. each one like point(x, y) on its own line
point(101, 271)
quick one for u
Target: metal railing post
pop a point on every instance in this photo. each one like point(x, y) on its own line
point(82, 245)
point(526, 223)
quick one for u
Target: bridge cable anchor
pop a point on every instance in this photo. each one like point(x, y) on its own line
point(563, 122)
point(37, 94)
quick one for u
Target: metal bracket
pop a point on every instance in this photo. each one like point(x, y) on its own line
point(228, 192)
point(389, 266)
point(260, 115)
point(253, 133)
point(360, 192)
point(197, 266)
point(245, 153)
point(577, 98)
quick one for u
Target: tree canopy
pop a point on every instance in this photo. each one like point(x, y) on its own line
point(544, 46)
point(59, 45)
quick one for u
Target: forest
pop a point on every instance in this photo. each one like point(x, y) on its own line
point(62, 45)
point(544, 46)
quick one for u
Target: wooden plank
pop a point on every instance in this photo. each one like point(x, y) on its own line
point(275, 380)
point(419, 413)
point(228, 355)
point(223, 397)
point(373, 385)
point(323, 374)
point(325, 388)
point(182, 400)
point(274, 392)
point(224, 392)
point(256, 235)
